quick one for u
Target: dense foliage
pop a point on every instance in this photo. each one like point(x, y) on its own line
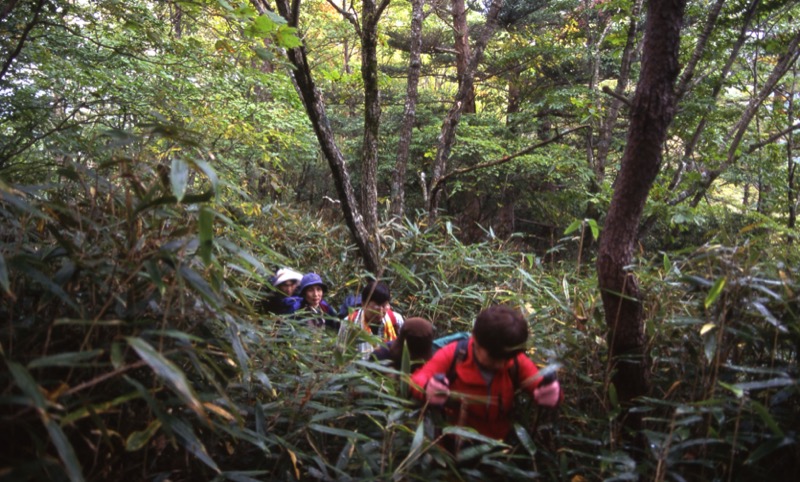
point(156, 166)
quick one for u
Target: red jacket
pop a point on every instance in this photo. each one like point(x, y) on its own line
point(489, 412)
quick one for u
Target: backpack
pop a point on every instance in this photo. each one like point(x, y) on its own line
point(461, 354)
point(351, 301)
point(447, 339)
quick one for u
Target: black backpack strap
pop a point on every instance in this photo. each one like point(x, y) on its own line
point(459, 356)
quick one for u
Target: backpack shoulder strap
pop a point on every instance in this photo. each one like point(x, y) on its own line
point(459, 356)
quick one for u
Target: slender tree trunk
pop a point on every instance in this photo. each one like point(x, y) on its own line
point(315, 109)
point(448, 132)
point(609, 123)
point(736, 134)
point(700, 48)
point(176, 18)
point(652, 111)
point(514, 97)
point(791, 188)
point(461, 44)
point(370, 14)
point(398, 192)
point(688, 75)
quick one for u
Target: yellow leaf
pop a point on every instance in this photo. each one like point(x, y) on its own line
point(294, 463)
point(219, 411)
point(707, 327)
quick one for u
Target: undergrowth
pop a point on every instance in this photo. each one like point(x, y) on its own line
point(132, 347)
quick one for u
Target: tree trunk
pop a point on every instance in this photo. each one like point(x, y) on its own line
point(461, 44)
point(315, 109)
point(609, 123)
point(514, 97)
point(652, 111)
point(398, 192)
point(791, 188)
point(370, 13)
point(176, 19)
point(448, 132)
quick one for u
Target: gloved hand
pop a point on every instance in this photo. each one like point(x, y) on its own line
point(548, 395)
point(436, 390)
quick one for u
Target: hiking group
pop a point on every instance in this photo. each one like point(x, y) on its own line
point(473, 379)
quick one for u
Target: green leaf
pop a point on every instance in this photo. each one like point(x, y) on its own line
point(206, 227)
point(573, 227)
point(472, 435)
point(771, 383)
point(225, 5)
point(238, 347)
point(209, 171)
point(767, 448)
point(770, 422)
point(344, 455)
point(525, 439)
point(405, 273)
point(179, 178)
point(612, 396)
point(99, 408)
point(286, 37)
point(715, 291)
point(416, 443)
point(710, 347)
point(139, 439)
point(264, 54)
point(48, 284)
point(4, 283)
point(27, 384)
point(263, 26)
point(29, 387)
point(190, 442)
point(199, 284)
point(593, 226)
point(168, 371)
point(154, 274)
point(338, 432)
point(74, 358)
point(65, 451)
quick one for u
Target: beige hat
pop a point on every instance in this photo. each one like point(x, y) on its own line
point(286, 274)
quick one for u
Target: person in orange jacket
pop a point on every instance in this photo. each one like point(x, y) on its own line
point(475, 379)
point(375, 316)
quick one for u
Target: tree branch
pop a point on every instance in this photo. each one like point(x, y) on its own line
point(620, 98)
point(349, 16)
point(504, 159)
point(769, 140)
point(13, 55)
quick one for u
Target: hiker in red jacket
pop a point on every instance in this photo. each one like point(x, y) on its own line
point(475, 379)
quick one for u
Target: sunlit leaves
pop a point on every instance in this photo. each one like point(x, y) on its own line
point(179, 178)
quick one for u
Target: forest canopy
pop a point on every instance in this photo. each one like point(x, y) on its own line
point(629, 184)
